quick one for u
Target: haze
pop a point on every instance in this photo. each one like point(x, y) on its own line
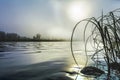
point(53, 19)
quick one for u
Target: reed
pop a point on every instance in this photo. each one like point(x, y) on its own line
point(106, 31)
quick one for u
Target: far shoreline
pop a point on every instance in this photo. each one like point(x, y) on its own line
point(40, 41)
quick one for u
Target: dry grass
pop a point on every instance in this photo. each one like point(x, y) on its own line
point(106, 31)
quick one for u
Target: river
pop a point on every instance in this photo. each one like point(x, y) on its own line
point(41, 61)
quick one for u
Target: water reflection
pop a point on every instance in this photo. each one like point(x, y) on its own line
point(15, 57)
point(38, 56)
point(42, 61)
point(50, 70)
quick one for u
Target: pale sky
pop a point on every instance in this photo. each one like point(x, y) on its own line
point(50, 18)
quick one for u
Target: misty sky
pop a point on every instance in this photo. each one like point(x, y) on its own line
point(50, 18)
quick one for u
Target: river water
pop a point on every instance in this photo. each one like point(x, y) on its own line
point(41, 61)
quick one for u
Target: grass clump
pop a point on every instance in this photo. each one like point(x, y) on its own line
point(106, 37)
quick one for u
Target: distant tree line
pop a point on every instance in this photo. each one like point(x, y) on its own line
point(15, 37)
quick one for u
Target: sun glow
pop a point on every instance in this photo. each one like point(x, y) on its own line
point(78, 10)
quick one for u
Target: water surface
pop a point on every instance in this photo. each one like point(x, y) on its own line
point(34, 60)
point(42, 61)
